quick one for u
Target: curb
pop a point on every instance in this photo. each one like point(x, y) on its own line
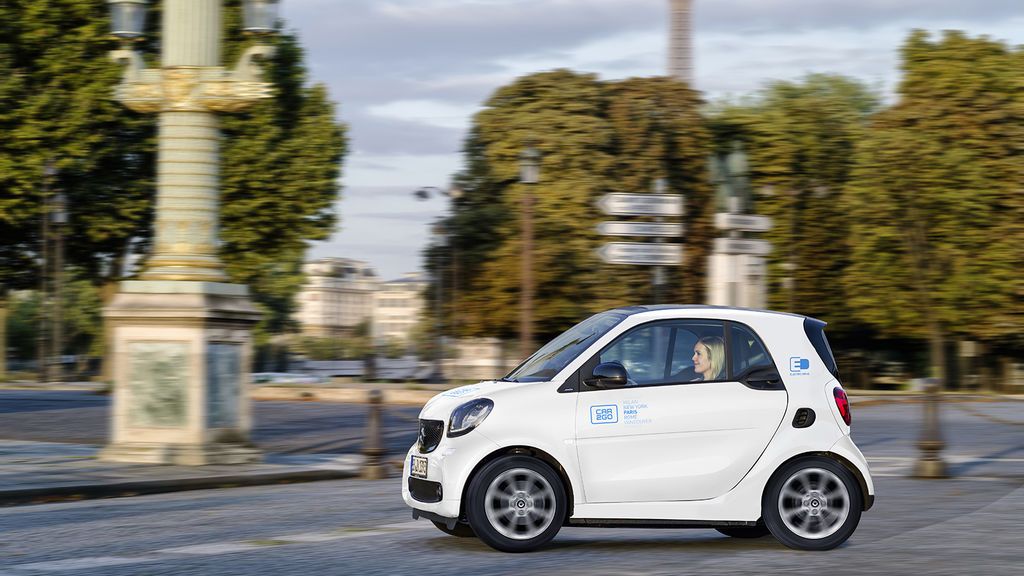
point(68, 492)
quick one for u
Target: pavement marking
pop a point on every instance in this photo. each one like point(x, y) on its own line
point(82, 563)
point(211, 549)
point(215, 548)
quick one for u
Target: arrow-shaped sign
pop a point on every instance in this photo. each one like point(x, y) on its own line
point(641, 253)
point(667, 229)
point(642, 204)
point(742, 246)
point(751, 222)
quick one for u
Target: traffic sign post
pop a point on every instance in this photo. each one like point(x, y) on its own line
point(747, 222)
point(641, 253)
point(618, 204)
point(742, 246)
point(659, 229)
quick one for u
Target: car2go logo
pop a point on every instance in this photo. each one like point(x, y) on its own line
point(606, 414)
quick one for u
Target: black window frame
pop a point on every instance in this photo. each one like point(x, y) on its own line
point(587, 369)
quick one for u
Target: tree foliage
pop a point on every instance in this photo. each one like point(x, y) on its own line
point(280, 159)
point(594, 137)
point(800, 138)
point(935, 202)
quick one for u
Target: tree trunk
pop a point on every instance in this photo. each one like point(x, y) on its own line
point(3, 337)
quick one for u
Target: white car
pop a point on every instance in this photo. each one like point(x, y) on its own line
point(667, 416)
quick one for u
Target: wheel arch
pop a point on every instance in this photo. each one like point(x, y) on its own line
point(867, 500)
point(521, 451)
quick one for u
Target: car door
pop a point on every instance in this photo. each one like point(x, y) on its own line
point(672, 433)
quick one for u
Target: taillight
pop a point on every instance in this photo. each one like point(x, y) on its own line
point(842, 403)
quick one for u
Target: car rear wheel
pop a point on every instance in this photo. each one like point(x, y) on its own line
point(812, 504)
point(516, 504)
point(461, 529)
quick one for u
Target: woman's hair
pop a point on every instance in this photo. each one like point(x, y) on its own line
point(716, 355)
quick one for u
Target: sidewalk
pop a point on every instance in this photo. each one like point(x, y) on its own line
point(37, 472)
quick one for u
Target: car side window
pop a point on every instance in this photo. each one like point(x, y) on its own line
point(698, 352)
point(671, 353)
point(642, 352)
point(748, 352)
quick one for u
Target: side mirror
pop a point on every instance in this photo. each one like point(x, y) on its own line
point(608, 375)
point(763, 378)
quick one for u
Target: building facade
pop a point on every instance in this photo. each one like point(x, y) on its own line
point(398, 305)
point(337, 297)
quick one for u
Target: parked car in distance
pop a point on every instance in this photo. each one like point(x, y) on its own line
point(271, 378)
point(667, 416)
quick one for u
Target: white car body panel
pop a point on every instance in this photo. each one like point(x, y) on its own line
point(699, 452)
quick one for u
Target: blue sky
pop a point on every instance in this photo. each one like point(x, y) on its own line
point(407, 75)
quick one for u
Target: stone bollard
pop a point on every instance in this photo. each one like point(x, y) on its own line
point(930, 463)
point(373, 465)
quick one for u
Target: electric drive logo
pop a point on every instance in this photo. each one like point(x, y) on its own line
point(798, 365)
point(606, 414)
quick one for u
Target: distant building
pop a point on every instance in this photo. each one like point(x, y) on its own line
point(398, 305)
point(338, 295)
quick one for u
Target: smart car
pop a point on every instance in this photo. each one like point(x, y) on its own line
point(649, 416)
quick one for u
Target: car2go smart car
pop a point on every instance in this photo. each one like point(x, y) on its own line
point(677, 416)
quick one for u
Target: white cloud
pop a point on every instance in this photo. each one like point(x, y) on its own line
point(429, 112)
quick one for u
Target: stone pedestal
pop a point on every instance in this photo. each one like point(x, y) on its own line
point(181, 357)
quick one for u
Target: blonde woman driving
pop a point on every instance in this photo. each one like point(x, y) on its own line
point(708, 358)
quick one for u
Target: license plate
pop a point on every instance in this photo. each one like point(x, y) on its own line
point(418, 467)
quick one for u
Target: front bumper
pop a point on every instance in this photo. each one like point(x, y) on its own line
point(448, 469)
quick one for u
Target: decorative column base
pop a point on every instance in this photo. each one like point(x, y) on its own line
point(181, 356)
point(181, 454)
point(930, 468)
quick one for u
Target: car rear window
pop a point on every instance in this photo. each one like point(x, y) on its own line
point(815, 330)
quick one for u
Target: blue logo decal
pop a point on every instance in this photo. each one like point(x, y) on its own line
point(606, 414)
point(797, 364)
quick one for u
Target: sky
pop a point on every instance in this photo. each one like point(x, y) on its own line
point(408, 75)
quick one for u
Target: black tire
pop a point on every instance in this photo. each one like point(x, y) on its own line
point(745, 531)
point(461, 529)
point(516, 504)
point(828, 508)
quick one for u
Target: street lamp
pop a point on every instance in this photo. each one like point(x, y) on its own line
point(529, 174)
point(127, 18)
point(441, 232)
point(259, 16)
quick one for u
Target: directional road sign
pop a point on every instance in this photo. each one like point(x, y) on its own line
point(640, 229)
point(641, 253)
point(742, 246)
point(642, 204)
point(729, 221)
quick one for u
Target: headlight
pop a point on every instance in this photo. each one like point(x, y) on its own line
point(469, 416)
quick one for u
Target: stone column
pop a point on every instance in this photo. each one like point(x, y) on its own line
point(181, 344)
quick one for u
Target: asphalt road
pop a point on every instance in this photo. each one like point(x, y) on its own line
point(966, 525)
point(963, 526)
point(283, 427)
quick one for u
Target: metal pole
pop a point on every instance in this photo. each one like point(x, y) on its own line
point(930, 463)
point(44, 266)
point(58, 294)
point(438, 375)
point(526, 295)
point(373, 465)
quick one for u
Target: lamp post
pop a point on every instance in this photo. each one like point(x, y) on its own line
point(443, 234)
point(43, 339)
point(529, 175)
point(181, 343)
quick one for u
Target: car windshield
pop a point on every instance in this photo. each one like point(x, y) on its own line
point(545, 363)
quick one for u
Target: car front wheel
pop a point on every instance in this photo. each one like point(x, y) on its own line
point(516, 504)
point(812, 504)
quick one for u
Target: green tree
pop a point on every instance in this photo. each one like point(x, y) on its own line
point(595, 137)
point(935, 203)
point(800, 140)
